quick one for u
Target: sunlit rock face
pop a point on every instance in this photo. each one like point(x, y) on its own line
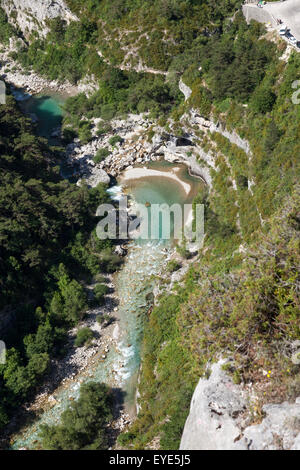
point(217, 421)
point(32, 15)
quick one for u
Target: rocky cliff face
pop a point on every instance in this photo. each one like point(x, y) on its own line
point(31, 15)
point(217, 419)
point(251, 12)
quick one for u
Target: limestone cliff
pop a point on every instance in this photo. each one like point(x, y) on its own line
point(31, 15)
point(216, 420)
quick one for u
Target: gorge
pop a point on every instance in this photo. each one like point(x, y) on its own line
point(166, 102)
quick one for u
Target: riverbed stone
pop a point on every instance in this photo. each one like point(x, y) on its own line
point(99, 176)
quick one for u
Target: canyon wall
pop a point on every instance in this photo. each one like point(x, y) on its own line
point(217, 418)
point(32, 15)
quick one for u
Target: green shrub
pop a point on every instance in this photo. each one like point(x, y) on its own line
point(84, 132)
point(182, 250)
point(83, 337)
point(101, 155)
point(102, 130)
point(69, 134)
point(100, 291)
point(173, 266)
point(7, 31)
point(104, 319)
point(84, 424)
point(116, 139)
point(263, 100)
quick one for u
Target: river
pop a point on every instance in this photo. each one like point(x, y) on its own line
point(134, 285)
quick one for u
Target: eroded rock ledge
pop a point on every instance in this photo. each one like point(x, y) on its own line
point(217, 419)
point(136, 148)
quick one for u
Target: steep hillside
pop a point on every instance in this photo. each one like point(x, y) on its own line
point(29, 16)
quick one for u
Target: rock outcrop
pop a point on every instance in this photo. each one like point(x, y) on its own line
point(29, 81)
point(184, 89)
point(31, 15)
point(217, 419)
point(279, 430)
point(195, 118)
point(215, 408)
point(136, 148)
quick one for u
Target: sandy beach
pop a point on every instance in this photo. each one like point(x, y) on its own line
point(137, 173)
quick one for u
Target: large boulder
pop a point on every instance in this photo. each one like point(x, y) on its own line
point(97, 177)
point(216, 419)
point(215, 407)
point(280, 429)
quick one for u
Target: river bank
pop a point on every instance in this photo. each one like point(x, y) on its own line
point(140, 143)
point(76, 363)
point(137, 173)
